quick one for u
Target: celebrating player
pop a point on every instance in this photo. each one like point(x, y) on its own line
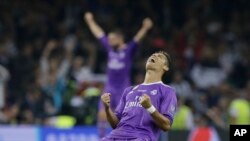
point(145, 109)
point(120, 56)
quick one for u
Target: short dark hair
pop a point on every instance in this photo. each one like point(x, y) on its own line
point(168, 58)
point(118, 32)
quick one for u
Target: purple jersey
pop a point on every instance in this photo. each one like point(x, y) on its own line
point(118, 70)
point(135, 121)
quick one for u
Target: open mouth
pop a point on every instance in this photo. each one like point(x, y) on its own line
point(152, 60)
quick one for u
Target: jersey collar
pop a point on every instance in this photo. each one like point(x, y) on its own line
point(158, 82)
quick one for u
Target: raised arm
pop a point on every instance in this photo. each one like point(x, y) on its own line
point(52, 44)
point(96, 30)
point(44, 60)
point(146, 25)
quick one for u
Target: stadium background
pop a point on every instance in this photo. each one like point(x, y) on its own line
point(51, 65)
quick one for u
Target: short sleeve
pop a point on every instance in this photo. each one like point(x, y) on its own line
point(168, 104)
point(120, 107)
point(104, 41)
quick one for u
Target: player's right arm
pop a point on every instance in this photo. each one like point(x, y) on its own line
point(111, 117)
point(96, 30)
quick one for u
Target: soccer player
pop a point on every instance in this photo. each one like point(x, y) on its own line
point(120, 55)
point(146, 109)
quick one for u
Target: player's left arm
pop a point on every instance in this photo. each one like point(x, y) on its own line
point(147, 24)
point(162, 120)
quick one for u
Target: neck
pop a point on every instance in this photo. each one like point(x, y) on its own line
point(121, 45)
point(152, 76)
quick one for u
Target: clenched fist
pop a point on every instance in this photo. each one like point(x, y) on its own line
point(88, 16)
point(147, 23)
point(145, 101)
point(106, 99)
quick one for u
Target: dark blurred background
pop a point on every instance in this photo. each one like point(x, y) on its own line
point(51, 65)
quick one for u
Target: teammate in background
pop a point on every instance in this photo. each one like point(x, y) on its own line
point(120, 55)
point(145, 109)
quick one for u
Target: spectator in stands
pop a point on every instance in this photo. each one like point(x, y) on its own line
point(239, 109)
point(203, 132)
point(53, 72)
point(246, 91)
point(207, 72)
point(36, 106)
point(218, 113)
point(83, 65)
point(183, 117)
point(80, 72)
point(182, 87)
point(8, 114)
point(4, 76)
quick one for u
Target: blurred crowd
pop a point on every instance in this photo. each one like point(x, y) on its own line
point(51, 65)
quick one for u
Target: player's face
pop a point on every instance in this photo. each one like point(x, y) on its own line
point(114, 39)
point(157, 62)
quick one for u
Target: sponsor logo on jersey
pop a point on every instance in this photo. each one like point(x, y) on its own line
point(153, 92)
